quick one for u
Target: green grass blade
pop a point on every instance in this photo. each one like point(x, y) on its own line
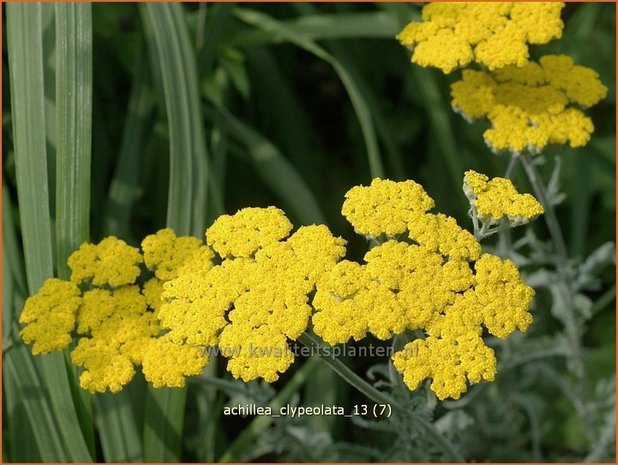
point(25, 47)
point(379, 25)
point(73, 77)
point(163, 424)
point(21, 371)
point(24, 37)
point(120, 437)
point(285, 33)
point(74, 128)
point(188, 187)
point(124, 187)
point(276, 171)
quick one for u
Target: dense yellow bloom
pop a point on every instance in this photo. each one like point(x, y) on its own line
point(492, 34)
point(110, 262)
point(497, 199)
point(116, 327)
point(440, 284)
point(166, 363)
point(427, 275)
point(256, 299)
point(384, 207)
point(242, 234)
point(531, 106)
point(165, 253)
point(49, 316)
point(442, 234)
point(449, 362)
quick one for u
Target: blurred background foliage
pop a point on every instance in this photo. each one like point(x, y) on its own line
point(291, 105)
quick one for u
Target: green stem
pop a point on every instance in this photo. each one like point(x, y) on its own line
point(310, 340)
point(550, 215)
point(562, 262)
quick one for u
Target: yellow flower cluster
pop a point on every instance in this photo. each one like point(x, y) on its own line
point(426, 274)
point(497, 199)
point(111, 317)
point(437, 282)
point(110, 262)
point(531, 106)
point(257, 298)
point(50, 316)
point(492, 34)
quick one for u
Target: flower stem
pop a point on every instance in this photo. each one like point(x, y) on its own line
point(310, 340)
point(561, 263)
point(550, 215)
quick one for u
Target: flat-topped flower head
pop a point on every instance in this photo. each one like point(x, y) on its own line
point(257, 296)
point(433, 279)
point(250, 229)
point(111, 262)
point(495, 35)
point(115, 327)
point(49, 316)
point(449, 362)
point(531, 106)
point(384, 207)
point(497, 199)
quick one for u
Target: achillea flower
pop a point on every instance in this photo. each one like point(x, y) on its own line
point(242, 234)
point(440, 284)
point(164, 253)
point(384, 207)
point(449, 362)
point(115, 321)
point(531, 106)
point(49, 316)
point(110, 262)
point(257, 298)
point(167, 364)
point(492, 34)
point(115, 326)
point(496, 199)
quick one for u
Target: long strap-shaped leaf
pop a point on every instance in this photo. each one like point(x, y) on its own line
point(27, 100)
point(27, 94)
point(188, 189)
point(74, 128)
point(175, 60)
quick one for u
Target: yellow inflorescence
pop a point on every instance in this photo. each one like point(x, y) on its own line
point(114, 320)
point(440, 284)
point(256, 299)
point(492, 34)
point(426, 274)
point(50, 316)
point(242, 234)
point(110, 262)
point(167, 364)
point(384, 207)
point(497, 199)
point(531, 106)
